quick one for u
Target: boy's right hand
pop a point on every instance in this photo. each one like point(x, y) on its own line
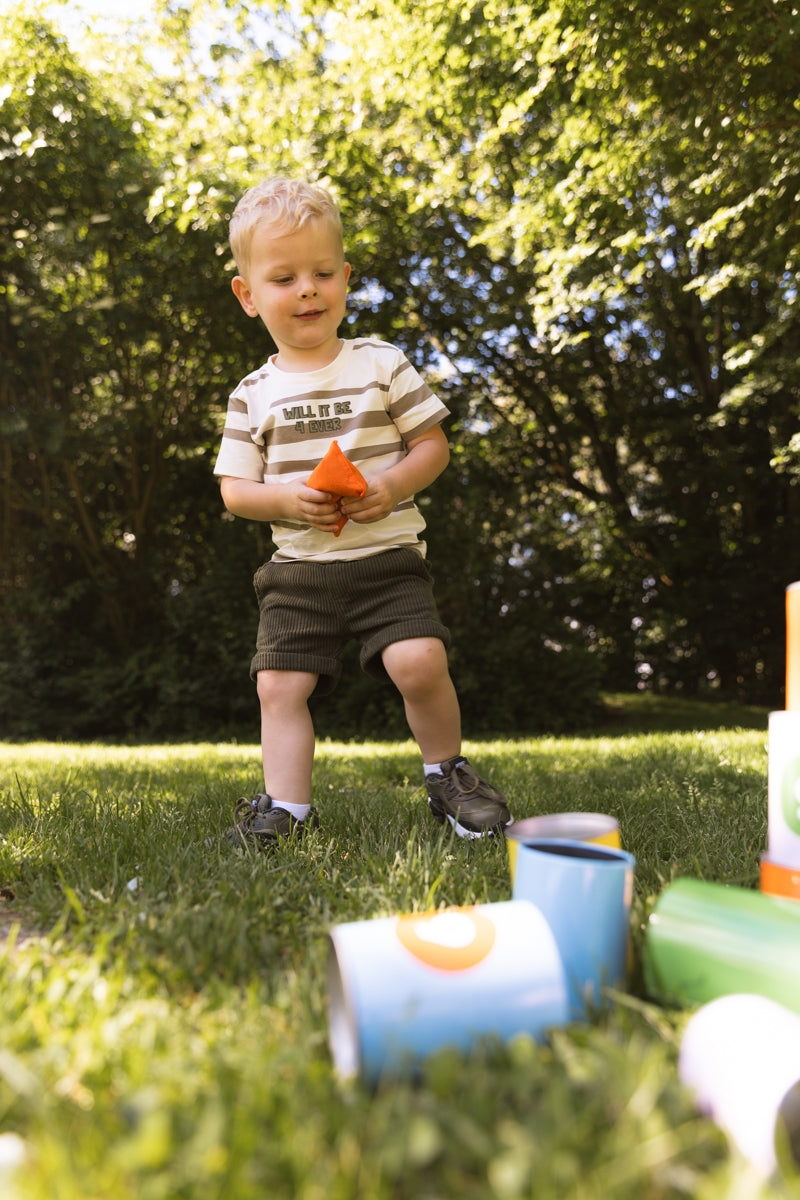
point(280, 502)
point(318, 509)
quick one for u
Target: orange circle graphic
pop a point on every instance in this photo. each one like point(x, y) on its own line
point(453, 939)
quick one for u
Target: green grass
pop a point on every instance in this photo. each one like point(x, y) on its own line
point(165, 1035)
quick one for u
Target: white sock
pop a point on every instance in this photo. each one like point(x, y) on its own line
point(298, 811)
point(436, 768)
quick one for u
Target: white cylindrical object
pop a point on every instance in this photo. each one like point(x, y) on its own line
point(403, 987)
point(783, 788)
point(741, 1056)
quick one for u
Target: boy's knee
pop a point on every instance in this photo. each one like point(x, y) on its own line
point(284, 688)
point(415, 663)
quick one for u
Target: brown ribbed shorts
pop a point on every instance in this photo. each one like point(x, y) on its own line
point(310, 610)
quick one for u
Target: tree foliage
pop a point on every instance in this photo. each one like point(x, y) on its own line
point(631, 244)
point(113, 372)
point(580, 222)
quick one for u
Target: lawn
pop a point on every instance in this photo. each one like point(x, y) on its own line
point(164, 1021)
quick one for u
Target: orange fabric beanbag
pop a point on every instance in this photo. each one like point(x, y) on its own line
point(337, 475)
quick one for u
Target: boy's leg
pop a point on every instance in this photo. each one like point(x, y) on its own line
point(287, 734)
point(418, 668)
point(287, 748)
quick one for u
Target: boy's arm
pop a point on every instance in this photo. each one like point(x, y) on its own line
point(427, 457)
point(279, 502)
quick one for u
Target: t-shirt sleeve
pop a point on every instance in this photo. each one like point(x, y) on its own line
point(239, 455)
point(413, 407)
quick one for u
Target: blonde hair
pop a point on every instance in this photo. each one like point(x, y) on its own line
point(285, 204)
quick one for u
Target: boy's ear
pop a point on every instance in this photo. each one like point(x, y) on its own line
point(347, 270)
point(243, 294)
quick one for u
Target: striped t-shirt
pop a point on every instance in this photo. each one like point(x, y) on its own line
point(279, 424)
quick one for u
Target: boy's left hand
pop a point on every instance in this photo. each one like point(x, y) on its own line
point(380, 500)
point(426, 458)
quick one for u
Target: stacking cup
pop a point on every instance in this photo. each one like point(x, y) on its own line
point(741, 1056)
point(706, 940)
point(793, 647)
point(584, 892)
point(783, 788)
point(402, 987)
point(777, 880)
point(597, 828)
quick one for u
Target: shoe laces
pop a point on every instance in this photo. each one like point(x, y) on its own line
point(464, 777)
point(244, 813)
point(466, 780)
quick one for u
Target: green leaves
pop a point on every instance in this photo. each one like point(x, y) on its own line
point(581, 224)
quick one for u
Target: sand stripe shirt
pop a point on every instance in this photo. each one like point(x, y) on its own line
point(279, 424)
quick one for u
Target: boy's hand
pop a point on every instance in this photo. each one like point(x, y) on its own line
point(314, 508)
point(426, 458)
point(280, 502)
point(380, 500)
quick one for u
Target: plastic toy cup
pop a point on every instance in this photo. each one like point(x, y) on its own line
point(585, 893)
point(783, 788)
point(793, 647)
point(777, 880)
point(402, 987)
point(706, 940)
point(741, 1055)
point(592, 827)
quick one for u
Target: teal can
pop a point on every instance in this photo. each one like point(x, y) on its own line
point(584, 890)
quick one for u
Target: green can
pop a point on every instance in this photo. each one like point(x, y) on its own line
point(706, 940)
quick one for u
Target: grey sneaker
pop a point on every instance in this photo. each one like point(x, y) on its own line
point(262, 822)
point(472, 806)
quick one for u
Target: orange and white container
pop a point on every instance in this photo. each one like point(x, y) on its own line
point(793, 648)
point(778, 880)
point(402, 987)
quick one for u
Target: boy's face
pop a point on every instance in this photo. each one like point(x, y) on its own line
point(297, 284)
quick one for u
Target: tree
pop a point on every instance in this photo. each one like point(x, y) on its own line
point(579, 223)
point(631, 246)
point(113, 374)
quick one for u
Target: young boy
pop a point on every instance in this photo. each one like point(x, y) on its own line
point(324, 584)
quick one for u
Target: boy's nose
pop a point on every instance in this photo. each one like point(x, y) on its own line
point(307, 287)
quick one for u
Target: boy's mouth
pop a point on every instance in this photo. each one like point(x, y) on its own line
point(310, 315)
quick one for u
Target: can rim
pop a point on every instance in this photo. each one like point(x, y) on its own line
point(343, 1037)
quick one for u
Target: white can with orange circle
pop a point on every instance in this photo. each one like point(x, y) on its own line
point(402, 987)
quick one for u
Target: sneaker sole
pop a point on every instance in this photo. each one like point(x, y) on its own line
point(461, 830)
